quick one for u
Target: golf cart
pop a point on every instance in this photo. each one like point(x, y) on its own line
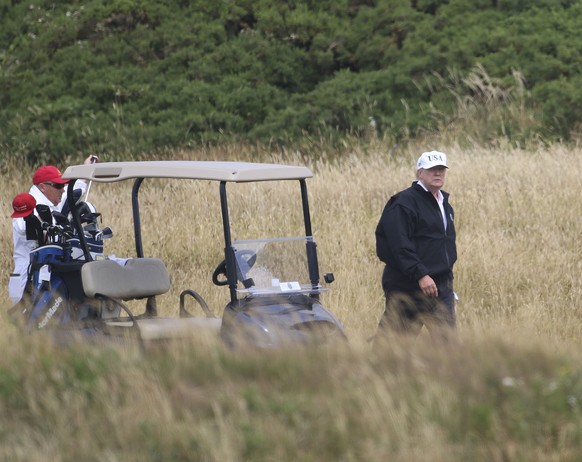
point(273, 283)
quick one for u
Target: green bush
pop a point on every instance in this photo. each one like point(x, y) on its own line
point(132, 77)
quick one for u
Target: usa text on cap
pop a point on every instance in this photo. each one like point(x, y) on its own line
point(432, 159)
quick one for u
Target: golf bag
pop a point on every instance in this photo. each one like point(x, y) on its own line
point(54, 295)
point(54, 291)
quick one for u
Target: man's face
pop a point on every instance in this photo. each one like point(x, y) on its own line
point(52, 191)
point(433, 178)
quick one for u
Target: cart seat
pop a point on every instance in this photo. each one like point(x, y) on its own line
point(138, 278)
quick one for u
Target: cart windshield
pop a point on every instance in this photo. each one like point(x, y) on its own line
point(274, 266)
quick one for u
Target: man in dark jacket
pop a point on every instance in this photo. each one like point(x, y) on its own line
point(415, 237)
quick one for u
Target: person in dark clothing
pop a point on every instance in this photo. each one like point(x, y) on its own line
point(415, 238)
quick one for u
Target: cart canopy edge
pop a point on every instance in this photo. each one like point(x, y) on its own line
point(237, 172)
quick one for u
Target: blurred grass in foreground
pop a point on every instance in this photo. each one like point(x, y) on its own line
point(510, 389)
point(487, 399)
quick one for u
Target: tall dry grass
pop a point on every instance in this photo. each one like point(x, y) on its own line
point(510, 389)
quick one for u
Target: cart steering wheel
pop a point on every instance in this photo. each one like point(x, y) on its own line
point(246, 255)
point(220, 270)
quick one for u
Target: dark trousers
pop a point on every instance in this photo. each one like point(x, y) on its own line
point(408, 312)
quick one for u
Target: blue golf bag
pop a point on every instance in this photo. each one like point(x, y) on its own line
point(54, 296)
point(54, 291)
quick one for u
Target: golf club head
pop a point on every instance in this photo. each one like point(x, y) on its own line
point(107, 233)
point(91, 229)
point(90, 217)
point(60, 219)
point(44, 213)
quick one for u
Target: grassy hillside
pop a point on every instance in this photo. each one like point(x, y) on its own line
point(509, 390)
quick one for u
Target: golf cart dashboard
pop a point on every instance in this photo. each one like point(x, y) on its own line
point(280, 288)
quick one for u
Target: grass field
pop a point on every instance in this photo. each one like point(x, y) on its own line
point(509, 390)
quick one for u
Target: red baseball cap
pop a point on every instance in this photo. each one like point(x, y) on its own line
point(48, 173)
point(23, 205)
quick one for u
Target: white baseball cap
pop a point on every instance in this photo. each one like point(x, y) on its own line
point(432, 159)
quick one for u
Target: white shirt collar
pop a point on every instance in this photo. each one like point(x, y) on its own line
point(439, 195)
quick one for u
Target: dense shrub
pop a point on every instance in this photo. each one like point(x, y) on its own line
point(128, 76)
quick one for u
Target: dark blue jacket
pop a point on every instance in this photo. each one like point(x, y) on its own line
point(412, 241)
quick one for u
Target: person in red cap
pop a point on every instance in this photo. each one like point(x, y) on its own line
point(49, 188)
point(23, 205)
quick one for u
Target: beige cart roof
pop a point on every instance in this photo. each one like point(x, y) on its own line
point(240, 172)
